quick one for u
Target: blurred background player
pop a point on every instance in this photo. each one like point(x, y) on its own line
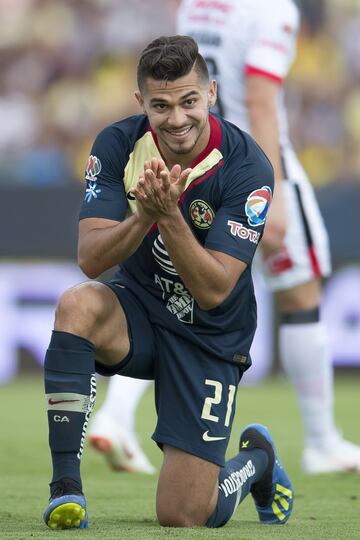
point(249, 46)
point(113, 431)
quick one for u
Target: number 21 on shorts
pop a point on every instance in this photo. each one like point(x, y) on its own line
point(216, 399)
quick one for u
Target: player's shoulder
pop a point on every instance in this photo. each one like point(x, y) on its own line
point(279, 10)
point(237, 143)
point(242, 153)
point(123, 133)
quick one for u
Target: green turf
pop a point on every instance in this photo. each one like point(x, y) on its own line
point(122, 505)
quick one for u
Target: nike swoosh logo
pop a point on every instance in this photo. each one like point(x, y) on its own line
point(208, 438)
point(56, 402)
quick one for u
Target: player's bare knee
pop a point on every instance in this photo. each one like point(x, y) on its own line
point(177, 517)
point(80, 308)
point(175, 521)
point(299, 298)
point(175, 512)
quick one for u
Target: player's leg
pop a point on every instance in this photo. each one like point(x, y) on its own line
point(89, 321)
point(255, 469)
point(196, 406)
point(294, 275)
point(112, 429)
point(194, 492)
point(305, 356)
point(187, 489)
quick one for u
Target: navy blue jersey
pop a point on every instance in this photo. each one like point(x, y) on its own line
point(225, 202)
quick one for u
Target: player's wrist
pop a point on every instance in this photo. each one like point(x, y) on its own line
point(144, 220)
point(171, 217)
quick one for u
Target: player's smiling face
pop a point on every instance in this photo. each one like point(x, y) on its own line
point(178, 114)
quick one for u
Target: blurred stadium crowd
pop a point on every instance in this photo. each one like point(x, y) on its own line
point(68, 69)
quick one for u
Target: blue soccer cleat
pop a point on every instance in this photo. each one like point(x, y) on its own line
point(66, 510)
point(273, 494)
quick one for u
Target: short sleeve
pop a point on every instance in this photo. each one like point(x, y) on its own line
point(105, 195)
point(273, 45)
point(239, 222)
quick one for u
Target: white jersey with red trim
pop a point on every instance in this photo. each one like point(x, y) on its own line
point(238, 37)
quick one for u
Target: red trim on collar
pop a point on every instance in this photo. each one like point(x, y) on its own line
point(154, 136)
point(214, 141)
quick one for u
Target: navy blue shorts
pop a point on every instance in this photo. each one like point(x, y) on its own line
point(195, 392)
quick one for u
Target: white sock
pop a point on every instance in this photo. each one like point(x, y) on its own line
point(122, 398)
point(305, 358)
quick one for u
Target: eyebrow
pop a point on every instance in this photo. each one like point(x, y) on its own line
point(183, 98)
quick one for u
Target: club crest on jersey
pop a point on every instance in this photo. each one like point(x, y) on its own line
point(93, 168)
point(202, 215)
point(257, 205)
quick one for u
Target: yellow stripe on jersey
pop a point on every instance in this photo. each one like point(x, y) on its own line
point(204, 166)
point(145, 149)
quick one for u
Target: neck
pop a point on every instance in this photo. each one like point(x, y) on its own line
point(184, 160)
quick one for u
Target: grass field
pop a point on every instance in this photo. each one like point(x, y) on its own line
point(121, 506)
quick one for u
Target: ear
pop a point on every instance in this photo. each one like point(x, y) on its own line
point(212, 93)
point(140, 100)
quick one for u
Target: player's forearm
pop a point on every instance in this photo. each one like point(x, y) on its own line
point(264, 127)
point(203, 275)
point(101, 249)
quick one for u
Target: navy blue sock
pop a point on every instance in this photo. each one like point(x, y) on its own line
point(70, 388)
point(235, 481)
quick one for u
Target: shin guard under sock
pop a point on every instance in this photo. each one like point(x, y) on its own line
point(70, 388)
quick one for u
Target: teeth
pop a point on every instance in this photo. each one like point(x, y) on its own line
point(182, 132)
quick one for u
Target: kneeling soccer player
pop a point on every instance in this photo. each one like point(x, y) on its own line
point(178, 198)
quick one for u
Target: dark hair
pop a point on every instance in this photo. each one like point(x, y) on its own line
point(169, 57)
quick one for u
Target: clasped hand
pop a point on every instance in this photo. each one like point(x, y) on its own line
point(158, 191)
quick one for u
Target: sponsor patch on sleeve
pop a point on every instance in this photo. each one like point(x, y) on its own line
point(257, 206)
point(237, 229)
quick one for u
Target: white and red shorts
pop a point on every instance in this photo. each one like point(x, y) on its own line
point(305, 254)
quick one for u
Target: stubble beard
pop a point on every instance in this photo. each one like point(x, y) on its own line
point(181, 148)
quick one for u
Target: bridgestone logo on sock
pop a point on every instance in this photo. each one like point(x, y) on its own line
point(237, 479)
point(91, 404)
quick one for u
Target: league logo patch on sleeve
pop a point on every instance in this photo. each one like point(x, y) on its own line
point(93, 168)
point(257, 205)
